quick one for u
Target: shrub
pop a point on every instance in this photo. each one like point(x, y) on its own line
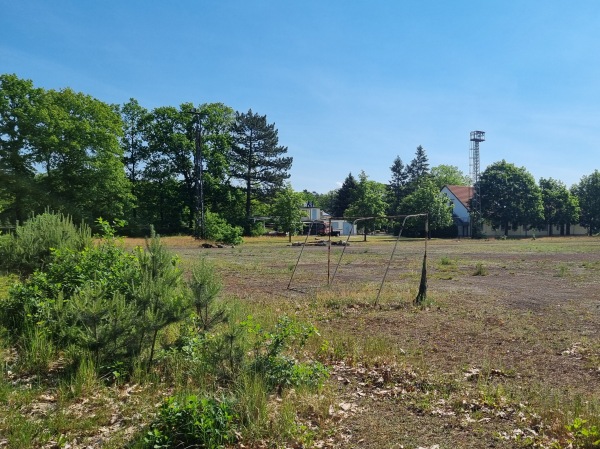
point(205, 286)
point(192, 422)
point(219, 230)
point(102, 302)
point(30, 247)
point(279, 369)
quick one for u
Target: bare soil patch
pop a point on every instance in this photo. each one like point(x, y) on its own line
point(533, 320)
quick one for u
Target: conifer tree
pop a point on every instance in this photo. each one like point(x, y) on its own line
point(418, 167)
point(257, 159)
point(345, 196)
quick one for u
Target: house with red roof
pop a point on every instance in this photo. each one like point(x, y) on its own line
point(460, 196)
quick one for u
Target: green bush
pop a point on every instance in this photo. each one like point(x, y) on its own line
point(192, 422)
point(271, 359)
point(102, 302)
point(30, 247)
point(219, 230)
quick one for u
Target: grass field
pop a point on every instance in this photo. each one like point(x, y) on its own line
point(504, 353)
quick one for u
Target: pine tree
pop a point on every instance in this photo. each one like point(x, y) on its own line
point(418, 167)
point(345, 196)
point(397, 185)
point(256, 158)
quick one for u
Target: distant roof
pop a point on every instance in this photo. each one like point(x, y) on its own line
point(462, 193)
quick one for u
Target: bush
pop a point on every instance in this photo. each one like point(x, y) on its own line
point(192, 422)
point(219, 230)
point(279, 369)
point(102, 303)
point(30, 247)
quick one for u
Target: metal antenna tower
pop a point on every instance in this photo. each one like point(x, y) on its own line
point(476, 137)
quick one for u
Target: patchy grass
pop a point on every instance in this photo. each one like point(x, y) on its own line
point(510, 359)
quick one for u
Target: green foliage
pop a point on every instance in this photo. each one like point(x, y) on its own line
point(510, 197)
point(205, 286)
point(159, 296)
point(39, 299)
point(219, 230)
point(344, 196)
point(588, 194)
point(256, 158)
point(443, 175)
point(102, 302)
point(193, 421)
point(418, 168)
point(369, 202)
point(585, 436)
point(286, 210)
point(480, 270)
point(561, 207)
point(271, 360)
point(31, 245)
point(426, 199)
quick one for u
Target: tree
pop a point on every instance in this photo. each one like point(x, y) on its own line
point(19, 103)
point(344, 196)
point(397, 185)
point(588, 193)
point(78, 150)
point(560, 206)
point(256, 158)
point(286, 210)
point(509, 197)
point(418, 167)
point(427, 199)
point(444, 175)
point(369, 202)
point(135, 119)
point(170, 136)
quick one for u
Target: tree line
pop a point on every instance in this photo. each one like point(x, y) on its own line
point(71, 153)
point(74, 154)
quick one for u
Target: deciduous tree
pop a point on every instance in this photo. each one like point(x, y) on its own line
point(286, 210)
point(588, 193)
point(510, 197)
point(19, 105)
point(443, 175)
point(560, 206)
point(426, 199)
point(369, 202)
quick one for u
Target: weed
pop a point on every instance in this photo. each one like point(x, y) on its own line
point(480, 270)
point(446, 261)
point(37, 352)
point(563, 270)
point(584, 435)
point(192, 421)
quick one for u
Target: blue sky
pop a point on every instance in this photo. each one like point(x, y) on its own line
point(349, 84)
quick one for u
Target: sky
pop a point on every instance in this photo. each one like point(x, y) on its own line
point(350, 85)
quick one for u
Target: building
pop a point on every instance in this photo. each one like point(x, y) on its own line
point(460, 197)
point(317, 221)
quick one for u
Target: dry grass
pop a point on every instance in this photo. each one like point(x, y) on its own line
point(502, 360)
point(528, 332)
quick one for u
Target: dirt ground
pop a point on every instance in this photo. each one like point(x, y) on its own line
point(526, 331)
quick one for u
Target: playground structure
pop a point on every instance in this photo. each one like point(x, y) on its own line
point(421, 296)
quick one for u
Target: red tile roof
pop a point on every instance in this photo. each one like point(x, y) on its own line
point(462, 193)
